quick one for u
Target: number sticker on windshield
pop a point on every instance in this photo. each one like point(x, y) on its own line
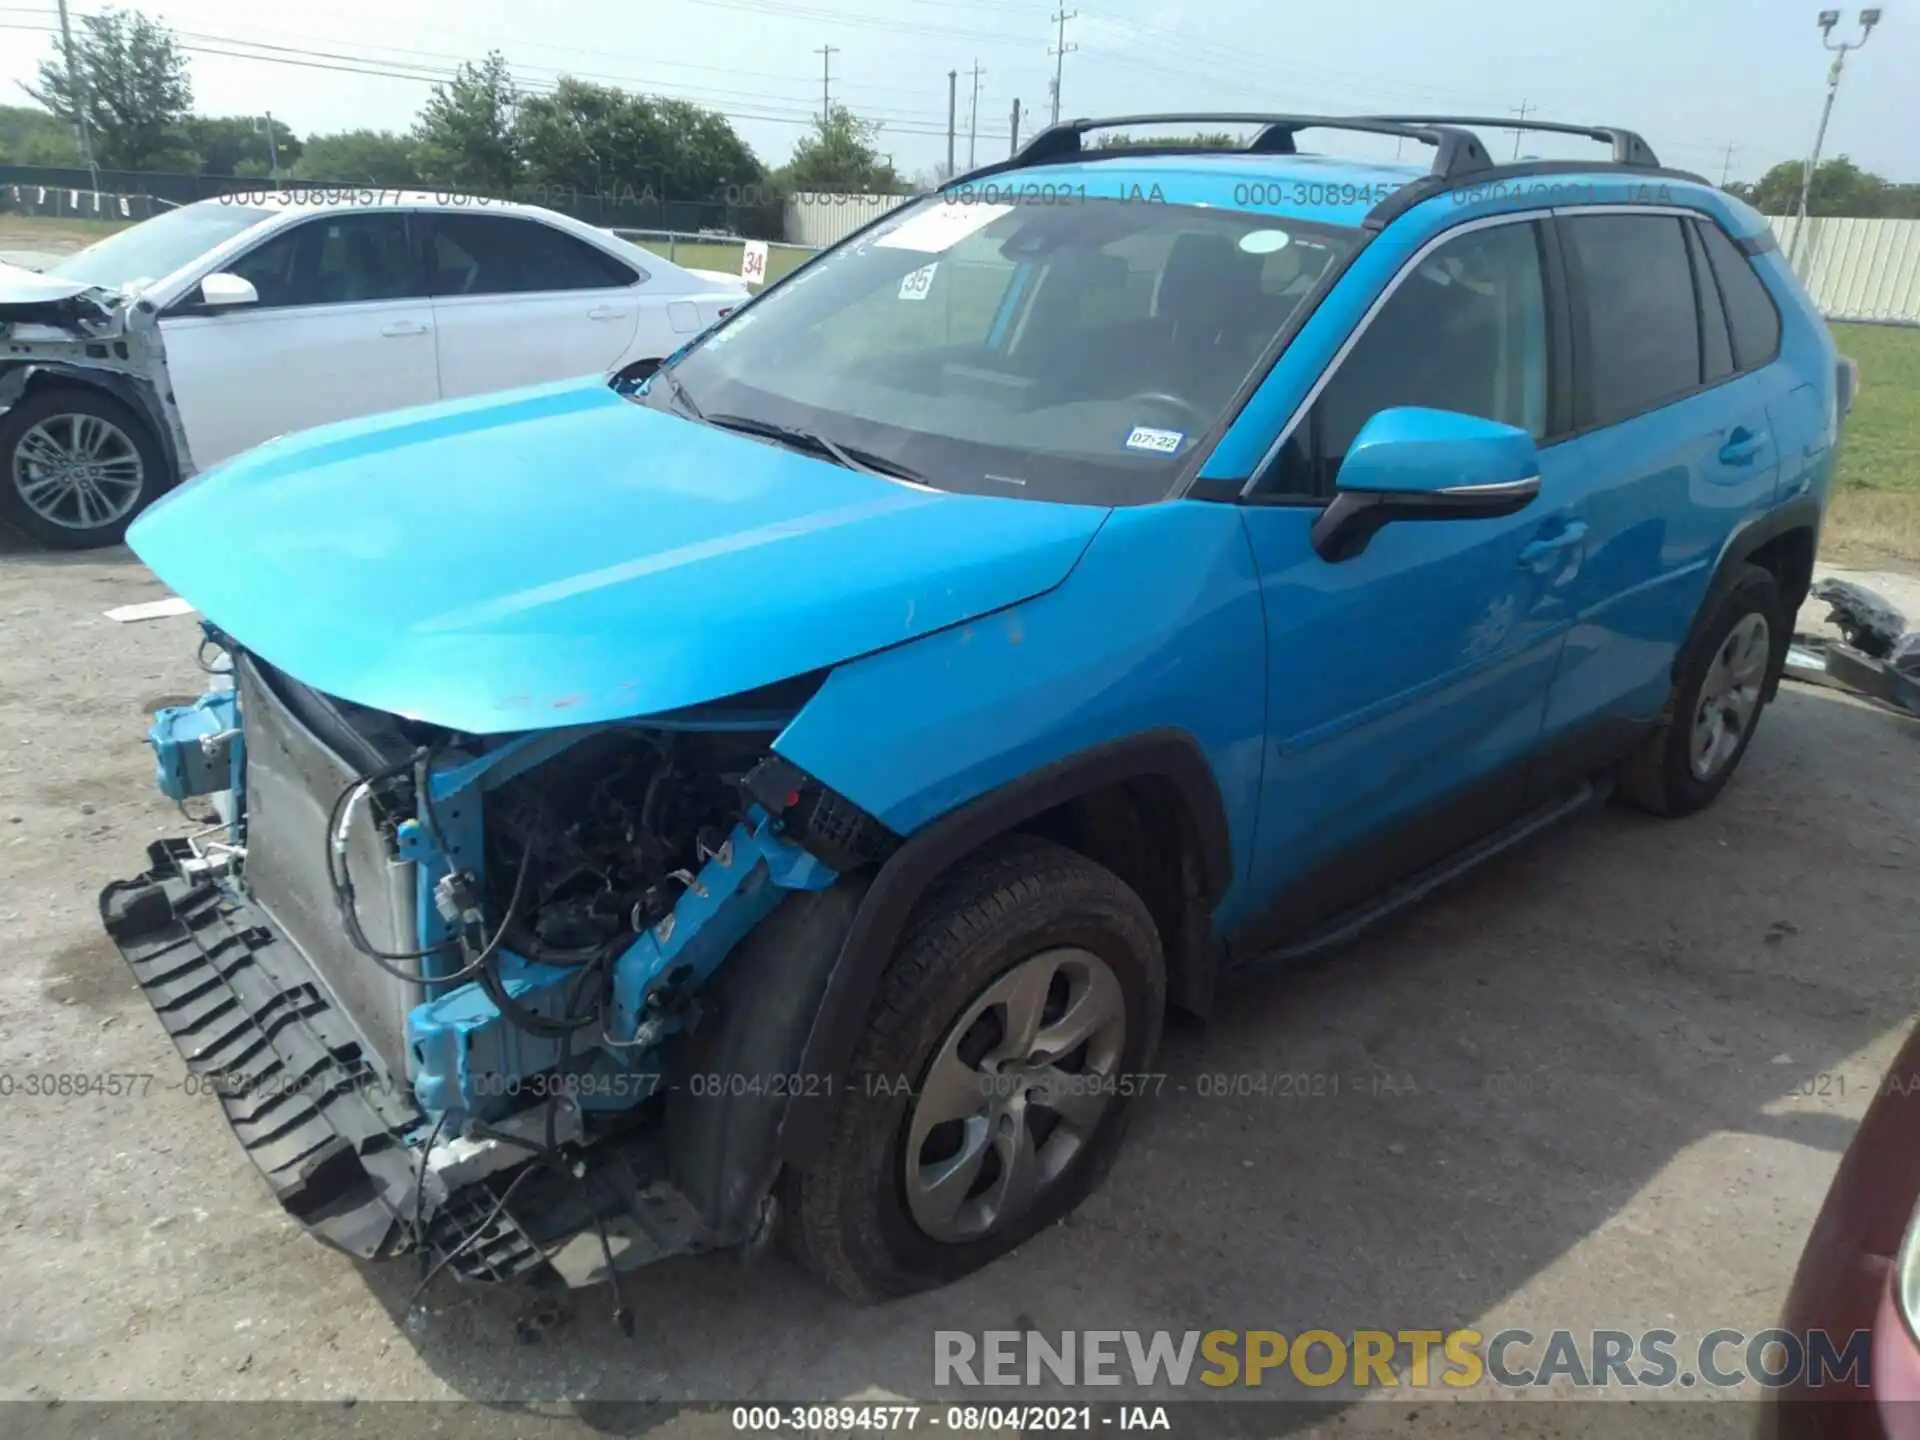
point(918, 282)
point(1157, 442)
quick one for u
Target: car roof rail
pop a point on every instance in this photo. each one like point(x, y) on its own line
point(1458, 152)
point(1628, 147)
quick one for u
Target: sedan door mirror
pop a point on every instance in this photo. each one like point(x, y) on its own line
point(223, 289)
point(1414, 464)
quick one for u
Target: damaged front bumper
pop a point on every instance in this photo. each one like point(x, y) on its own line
point(337, 1142)
point(442, 1115)
point(92, 335)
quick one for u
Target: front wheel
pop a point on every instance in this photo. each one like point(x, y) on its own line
point(1720, 688)
point(989, 1094)
point(76, 466)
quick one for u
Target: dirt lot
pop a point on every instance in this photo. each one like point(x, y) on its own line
point(1604, 1085)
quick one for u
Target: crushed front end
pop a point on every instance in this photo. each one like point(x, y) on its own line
point(444, 985)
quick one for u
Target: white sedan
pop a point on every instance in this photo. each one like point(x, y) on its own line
point(276, 313)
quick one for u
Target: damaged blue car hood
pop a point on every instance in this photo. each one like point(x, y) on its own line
point(562, 556)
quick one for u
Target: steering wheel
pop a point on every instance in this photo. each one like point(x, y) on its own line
point(1197, 416)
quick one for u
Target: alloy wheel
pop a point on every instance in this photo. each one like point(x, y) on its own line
point(78, 471)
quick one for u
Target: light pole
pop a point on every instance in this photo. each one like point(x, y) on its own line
point(1828, 19)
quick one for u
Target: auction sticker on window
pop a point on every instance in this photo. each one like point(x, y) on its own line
point(916, 283)
point(938, 228)
point(1156, 442)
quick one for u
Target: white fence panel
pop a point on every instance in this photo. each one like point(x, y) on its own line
point(823, 219)
point(1857, 269)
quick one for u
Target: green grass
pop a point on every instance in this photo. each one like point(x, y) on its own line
point(1875, 518)
point(45, 232)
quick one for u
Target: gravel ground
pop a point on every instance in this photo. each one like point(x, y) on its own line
point(1604, 1084)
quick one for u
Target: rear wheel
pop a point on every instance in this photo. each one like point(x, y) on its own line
point(1720, 688)
point(76, 466)
point(990, 1091)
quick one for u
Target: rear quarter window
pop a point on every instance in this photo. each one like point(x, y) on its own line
point(1751, 313)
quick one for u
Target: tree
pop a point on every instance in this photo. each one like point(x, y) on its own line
point(840, 155)
point(466, 134)
point(598, 140)
point(237, 144)
point(137, 91)
point(362, 157)
point(1840, 187)
point(33, 137)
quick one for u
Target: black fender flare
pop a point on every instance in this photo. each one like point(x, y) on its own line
point(1802, 512)
point(1169, 754)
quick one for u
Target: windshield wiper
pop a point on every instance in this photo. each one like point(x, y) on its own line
point(850, 456)
point(678, 392)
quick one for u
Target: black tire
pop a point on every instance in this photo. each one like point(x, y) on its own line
point(1660, 778)
point(847, 1214)
point(76, 400)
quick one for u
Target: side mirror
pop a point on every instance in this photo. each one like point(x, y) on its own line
point(1413, 464)
point(222, 289)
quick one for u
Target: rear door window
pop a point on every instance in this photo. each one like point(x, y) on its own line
point(504, 255)
point(1716, 349)
point(1643, 335)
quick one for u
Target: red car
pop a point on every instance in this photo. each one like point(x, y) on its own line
point(1861, 1271)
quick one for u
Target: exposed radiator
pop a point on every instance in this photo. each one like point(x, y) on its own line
point(292, 782)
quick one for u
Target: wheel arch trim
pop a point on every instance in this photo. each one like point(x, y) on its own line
point(1168, 754)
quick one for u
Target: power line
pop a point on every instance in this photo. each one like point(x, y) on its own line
point(421, 75)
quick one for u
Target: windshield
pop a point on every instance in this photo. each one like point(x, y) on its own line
point(153, 249)
point(1075, 350)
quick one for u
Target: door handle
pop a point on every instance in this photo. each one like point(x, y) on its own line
point(1742, 445)
point(1538, 555)
point(403, 327)
point(607, 312)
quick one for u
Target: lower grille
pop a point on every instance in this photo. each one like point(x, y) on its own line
point(293, 780)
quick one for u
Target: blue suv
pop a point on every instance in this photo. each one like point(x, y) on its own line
point(780, 793)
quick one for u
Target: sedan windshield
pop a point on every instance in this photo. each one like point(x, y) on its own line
point(153, 249)
point(1078, 350)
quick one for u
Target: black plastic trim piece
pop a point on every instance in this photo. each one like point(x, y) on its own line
point(930, 852)
point(247, 1013)
point(1628, 147)
point(1457, 152)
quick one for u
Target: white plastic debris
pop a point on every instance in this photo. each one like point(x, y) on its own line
point(150, 610)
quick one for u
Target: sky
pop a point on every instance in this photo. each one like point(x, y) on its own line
point(1693, 78)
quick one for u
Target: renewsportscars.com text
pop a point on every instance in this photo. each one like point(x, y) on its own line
point(1512, 1359)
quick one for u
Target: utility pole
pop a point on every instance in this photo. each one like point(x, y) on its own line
point(273, 150)
point(953, 93)
point(1059, 53)
point(973, 113)
point(1013, 145)
point(825, 52)
point(77, 92)
point(1726, 165)
point(1828, 19)
point(1523, 109)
